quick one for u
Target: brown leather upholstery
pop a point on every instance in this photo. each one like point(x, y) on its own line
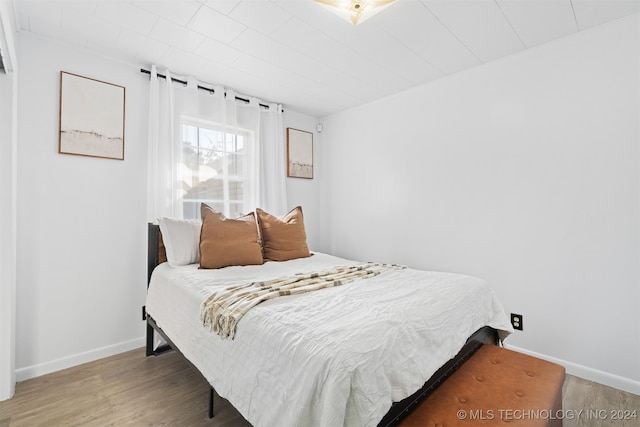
point(162, 251)
point(495, 387)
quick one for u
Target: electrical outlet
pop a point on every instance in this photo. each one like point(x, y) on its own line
point(516, 321)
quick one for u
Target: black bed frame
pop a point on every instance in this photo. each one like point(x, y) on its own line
point(398, 410)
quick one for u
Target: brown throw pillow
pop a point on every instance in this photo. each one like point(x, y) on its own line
point(283, 238)
point(225, 242)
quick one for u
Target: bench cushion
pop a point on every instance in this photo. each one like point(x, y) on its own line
point(495, 386)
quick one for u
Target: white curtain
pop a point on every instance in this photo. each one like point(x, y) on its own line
point(171, 103)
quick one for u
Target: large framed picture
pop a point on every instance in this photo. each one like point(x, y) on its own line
point(299, 153)
point(91, 117)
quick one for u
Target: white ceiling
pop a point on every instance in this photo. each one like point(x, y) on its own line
point(296, 53)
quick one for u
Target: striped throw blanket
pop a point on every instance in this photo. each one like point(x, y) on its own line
point(223, 309)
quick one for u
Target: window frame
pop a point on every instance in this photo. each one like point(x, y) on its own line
point(227, 179)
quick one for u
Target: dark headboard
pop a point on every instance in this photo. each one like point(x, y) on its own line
point(156, 253)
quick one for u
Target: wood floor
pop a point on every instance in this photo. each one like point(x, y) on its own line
point(131, 389)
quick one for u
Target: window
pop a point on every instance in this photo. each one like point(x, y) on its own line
point(213, 168)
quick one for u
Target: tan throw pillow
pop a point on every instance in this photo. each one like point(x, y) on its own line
point(283, 238)
point(225, 242)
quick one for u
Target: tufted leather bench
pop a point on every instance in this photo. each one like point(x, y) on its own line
point(495, 387)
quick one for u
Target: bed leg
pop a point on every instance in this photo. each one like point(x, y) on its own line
point(210, 402)
point(149, 348)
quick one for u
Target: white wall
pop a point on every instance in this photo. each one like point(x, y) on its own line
point(8, 165)
point(525, 172)
point(82, 221)
point(8, 183)
point(305, 192)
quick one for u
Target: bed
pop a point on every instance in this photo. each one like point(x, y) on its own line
point(361, 354)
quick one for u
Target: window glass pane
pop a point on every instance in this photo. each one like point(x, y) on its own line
point(211, 139)
point(190, 135)
point(235, 143)
point(194, 193)
point(212, 189)
point(232, 144)
point(236, 165)
point(191, 210)
point(211, 163)
point(190, 146)
point(190, 157)
point(217, 206)
point(212, 170)
point(235, 210)
point(235, 190)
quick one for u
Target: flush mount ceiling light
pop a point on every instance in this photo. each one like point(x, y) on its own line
point(355, 11)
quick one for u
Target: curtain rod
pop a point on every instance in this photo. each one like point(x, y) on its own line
point(208, 89)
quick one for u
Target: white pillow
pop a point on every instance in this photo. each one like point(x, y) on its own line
point(181, 240)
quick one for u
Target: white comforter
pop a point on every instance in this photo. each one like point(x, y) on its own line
point(334, 357)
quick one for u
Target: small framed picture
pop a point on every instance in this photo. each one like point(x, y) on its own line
point(91, 117)
point(299, 153)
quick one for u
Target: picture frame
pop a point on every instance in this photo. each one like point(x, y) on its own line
point(299, 153)
point(92, 114)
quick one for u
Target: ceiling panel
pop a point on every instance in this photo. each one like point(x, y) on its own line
point(217, 51)
point(127, 16)
point(223, 74)
point(263, 16)
point(144, 48)
point(391, 54)
point(480, 26)
point(41, 17)
point(591, 13)
point(175, 35)
point(177, 11)
point(184, 61)
point(368, 40)
point(223, 6)
point(411, 23)
point(270, 72)
point(88, 28)
point(321, 19)
point(297, 53)
point(309, 41)
point(216, 25)
point(261, 46)
point(537, 22)
point(87, 7)
point(316, 72)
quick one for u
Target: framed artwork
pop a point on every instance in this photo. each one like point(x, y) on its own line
point(299, 153)
point(91, 117)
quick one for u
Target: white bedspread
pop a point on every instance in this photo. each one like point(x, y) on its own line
point(334, 357)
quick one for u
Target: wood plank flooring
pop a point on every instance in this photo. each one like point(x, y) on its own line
point(130, 389)
point(126, 389)
point(600, 405)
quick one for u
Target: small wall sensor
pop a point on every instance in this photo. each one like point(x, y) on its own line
point(319, 127)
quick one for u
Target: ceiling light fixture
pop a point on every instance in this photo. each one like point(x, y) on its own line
point(355, 11)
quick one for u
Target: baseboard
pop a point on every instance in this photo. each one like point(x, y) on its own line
point(590, 374)
point(77, 359)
